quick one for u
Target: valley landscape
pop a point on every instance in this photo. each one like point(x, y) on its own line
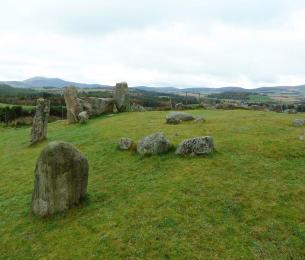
point(152, 129)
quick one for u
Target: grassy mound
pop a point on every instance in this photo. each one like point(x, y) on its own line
point(247, 200)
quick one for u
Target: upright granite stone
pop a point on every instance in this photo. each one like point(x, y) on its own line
point(61, 178)
point(40, 121)
point(196, 146)
point(72, 104)
point(121, 96)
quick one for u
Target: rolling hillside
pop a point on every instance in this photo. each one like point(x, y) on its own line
point(40, 82)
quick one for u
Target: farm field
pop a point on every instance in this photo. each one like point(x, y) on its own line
point(23, 107)
point(247, 200)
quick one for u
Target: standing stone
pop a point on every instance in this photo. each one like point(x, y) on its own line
point(121, 96)
point(97, 106)
point(61, 178)
point(196, 146)
point(40, 121)
point(72, 104)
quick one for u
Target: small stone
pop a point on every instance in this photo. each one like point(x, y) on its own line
point(196, 146)
point(199, 119)
point(290, 111)
point(137, 108)
point(179, 106)
point(299, 122)
point(125, 143)
point(83, 117)
point(115, 110)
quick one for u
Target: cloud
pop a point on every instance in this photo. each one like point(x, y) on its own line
point(181, 43)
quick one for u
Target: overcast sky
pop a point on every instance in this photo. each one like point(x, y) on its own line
point(189, 43)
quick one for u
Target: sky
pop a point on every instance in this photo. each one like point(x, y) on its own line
point(207, 43)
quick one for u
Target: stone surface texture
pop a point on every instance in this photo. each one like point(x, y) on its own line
point(61, 178)
point(40, 122)
point(196, 146)
point(121, 96)
point(153, 144)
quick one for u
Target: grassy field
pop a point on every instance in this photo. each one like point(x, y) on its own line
point(23, 107)
point(259, 98)
point(247, 200)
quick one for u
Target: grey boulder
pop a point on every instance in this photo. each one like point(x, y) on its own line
point(199, 119)
point(196, 146)
point(153, 144)
point(299, 122)
point(176, 117)
point(61, 178)
point(83, 117)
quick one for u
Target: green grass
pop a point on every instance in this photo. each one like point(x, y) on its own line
point(245, 201)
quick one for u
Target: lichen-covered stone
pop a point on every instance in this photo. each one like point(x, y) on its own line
point(61, 178)
point(72, 104)
point(121, 96)
point(153, 144)
point(83, 117)
point(176, 117)
point(40, 122)
point(196, 146)
point(125, 143)
point(97, 106)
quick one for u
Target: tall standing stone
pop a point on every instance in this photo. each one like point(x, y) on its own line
point(61, 178)
point(72, 104)
point(121, 96)
point(40, 121)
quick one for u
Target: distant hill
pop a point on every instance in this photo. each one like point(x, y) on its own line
point(43, 82)
point(40, 82)
point(6, 90)
point(263, 90)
